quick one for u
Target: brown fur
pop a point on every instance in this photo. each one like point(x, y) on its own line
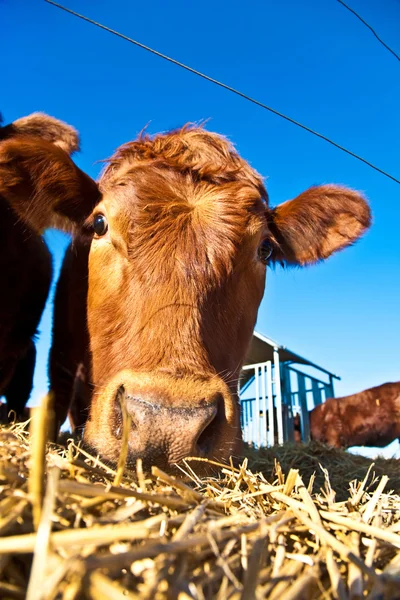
point(369, 418)
point(173, 288)
point(37, 176)
point(31, 188)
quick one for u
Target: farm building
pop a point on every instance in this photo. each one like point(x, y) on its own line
point(276, 384)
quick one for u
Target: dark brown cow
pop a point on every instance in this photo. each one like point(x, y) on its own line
point(369, 418)
point(160, 290)
point(25, 262)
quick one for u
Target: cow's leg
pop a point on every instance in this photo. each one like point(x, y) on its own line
point(70, 339)
point(297, 428)
point(19, 387)
point(71, 392)
point(26, 270)
point(62, 374)
point(80, 403)
point(7, 368)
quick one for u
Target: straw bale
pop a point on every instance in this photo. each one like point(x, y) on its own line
point(291, 523)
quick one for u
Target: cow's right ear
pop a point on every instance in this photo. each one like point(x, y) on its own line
point(43, 185)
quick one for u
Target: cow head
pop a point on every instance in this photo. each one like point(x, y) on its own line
point(38, 179)
point(180, 242)
point(327, 424)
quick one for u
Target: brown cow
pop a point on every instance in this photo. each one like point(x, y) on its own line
point(369, 418)
point(160, 290)
point(25, 262)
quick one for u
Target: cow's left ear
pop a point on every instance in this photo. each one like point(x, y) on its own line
point(319, 222)
point(43, 185)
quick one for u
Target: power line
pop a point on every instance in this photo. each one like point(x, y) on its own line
point(226, 87)
point(370, 28)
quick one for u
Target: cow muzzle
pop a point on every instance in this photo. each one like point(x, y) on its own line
point(173, 432)
point(171, 419)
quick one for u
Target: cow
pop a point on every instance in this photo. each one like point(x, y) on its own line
point(368, 418)
point(159, 291)
point(25, 261)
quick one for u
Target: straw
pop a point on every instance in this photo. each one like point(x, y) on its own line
point(277, 526)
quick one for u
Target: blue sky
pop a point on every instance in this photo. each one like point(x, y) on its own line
point(313, 61)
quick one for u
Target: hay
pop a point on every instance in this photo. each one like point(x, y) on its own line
point(82, 530)
point(343, 466)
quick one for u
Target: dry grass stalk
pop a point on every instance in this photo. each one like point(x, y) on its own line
point(256, 562)
point(355, 579)
point(103, 588)
point(302, 587)
point(38, 570)
point(372, 531)
point(371, 505)
point(39, 427)
point(126, 428)
point(338, 589)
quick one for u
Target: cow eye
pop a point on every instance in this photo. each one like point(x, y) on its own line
point(265, 251)
point(100, 225)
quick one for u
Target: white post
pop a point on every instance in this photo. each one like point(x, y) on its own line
point(278, 395)
point(264, 407)
point(256, 440)
point(271, 425)
point(243, 409)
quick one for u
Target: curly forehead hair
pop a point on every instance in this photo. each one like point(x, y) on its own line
point(191, 150)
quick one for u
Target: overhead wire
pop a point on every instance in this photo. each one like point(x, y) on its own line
point(224, 86)
point(380, 40)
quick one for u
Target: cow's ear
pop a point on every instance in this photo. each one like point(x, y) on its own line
point(43, 185)
point(319, 222)
point(48, 128)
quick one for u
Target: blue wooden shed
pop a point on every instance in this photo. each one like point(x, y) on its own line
point(275, 385)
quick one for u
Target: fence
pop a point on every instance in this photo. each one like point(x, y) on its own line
point(280, 392)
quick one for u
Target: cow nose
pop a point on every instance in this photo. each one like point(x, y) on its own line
point(173, 432)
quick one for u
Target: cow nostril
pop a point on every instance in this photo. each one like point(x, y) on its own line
point(206, 439)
